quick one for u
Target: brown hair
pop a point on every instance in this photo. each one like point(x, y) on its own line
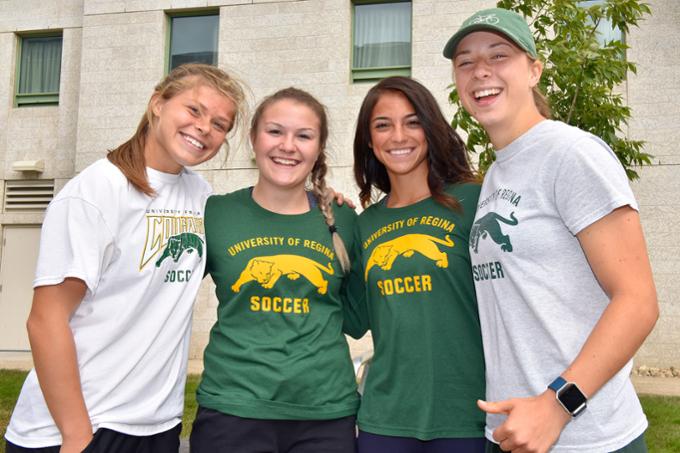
point(447, 158)
point(540, 100)
point(129, 157)
point(323, 194)
point(542, 103)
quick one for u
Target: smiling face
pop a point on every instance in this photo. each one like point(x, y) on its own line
point(286, 143)
point(188, 129)
point(495, 79)
point(397, 137)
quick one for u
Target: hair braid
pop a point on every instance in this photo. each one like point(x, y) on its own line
point(324, 198)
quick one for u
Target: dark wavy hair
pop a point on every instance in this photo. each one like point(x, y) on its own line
point(447, 158)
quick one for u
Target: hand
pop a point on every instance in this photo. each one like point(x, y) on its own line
point(73, 444)
point(533, 424)
point(340, 199)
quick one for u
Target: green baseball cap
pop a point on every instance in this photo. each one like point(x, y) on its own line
point(506, 22)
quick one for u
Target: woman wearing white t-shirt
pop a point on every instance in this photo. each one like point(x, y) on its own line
point(121, 258)
point(563, 281)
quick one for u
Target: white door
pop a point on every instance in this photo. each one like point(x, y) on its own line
point(17, 270)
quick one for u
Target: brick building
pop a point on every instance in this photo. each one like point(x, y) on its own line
point(112, 52)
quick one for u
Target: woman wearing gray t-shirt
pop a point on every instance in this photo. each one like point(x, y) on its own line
point(563, 281)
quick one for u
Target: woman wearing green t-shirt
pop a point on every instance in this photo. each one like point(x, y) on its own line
point(278, 375)
point(428, 367)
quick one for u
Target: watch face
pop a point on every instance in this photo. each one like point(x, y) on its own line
point(572, 398)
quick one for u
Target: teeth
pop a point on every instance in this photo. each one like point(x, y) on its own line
point(283, 161)
point(487, 92)
point(194, 142)
point(400, 152)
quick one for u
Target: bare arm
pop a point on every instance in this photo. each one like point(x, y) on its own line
point(56, 364)
point(617, 254)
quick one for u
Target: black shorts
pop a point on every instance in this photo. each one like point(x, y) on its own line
point(214, 432)
point(109, 441)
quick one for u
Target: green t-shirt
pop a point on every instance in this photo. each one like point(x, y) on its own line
point(277, 349)
point(428, 367)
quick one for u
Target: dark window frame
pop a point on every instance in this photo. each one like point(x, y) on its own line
point(371, 74)
point(175, 14)
point(35, 98)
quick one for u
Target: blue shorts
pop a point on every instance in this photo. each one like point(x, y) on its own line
point(375, 443)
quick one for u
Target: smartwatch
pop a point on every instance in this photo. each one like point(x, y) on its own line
point(570, 397)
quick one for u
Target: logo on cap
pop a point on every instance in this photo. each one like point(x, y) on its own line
point(490, 19)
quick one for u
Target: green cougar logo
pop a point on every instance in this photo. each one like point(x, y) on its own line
point(489, 225)
point(178, 244)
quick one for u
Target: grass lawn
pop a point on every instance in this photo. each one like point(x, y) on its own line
point(663, 412)
point(190, 405)
point(12, 380)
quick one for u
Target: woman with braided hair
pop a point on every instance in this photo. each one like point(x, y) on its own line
point(278, 375)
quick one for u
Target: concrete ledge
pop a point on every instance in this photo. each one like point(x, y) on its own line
point(16, 360)
point(648, 385)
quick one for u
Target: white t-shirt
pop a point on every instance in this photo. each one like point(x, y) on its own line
point(538, 298)
point(142, 259)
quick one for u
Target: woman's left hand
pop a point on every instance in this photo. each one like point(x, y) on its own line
point(533, 424)
point(340, 199)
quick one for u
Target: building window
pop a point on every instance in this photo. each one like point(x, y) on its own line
point(381, 39)
point(605, 31)
point(193, 39)
point(39, 70)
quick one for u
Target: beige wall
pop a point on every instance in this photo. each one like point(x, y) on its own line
point(47, 132)
point(652, 95)
point(114, 52)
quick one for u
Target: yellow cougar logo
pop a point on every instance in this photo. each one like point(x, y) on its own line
point(385, 254)
point(267, 270)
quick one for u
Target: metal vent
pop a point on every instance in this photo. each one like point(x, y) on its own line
point(28, 195)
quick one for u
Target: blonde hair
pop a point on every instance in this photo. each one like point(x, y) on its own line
point(323, 194)
point(129, 157)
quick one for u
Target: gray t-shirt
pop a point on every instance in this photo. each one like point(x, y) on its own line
point(538, 298)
